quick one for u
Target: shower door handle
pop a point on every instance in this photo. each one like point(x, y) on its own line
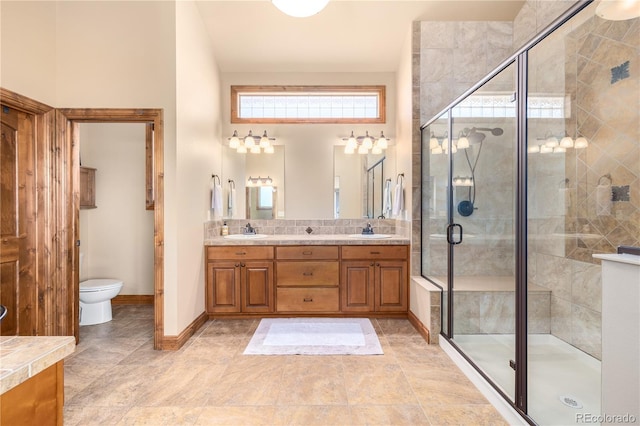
point(450, 229)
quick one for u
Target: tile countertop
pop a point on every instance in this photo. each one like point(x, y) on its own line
point(313, 239)
point(22, 357)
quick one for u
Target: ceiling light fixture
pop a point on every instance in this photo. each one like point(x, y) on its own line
point(300, 8)
point(618, 10)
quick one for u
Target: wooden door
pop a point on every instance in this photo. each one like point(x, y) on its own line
point(257, 286)
point(223, 286)
point(391, 286)
point(357, 292)
point(18, 290)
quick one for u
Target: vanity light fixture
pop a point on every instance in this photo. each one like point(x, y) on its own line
point(366, 143)
point(551, 143)
point(259, 181)
point(251, 143)
point(300, 8)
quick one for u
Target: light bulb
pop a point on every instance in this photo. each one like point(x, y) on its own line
point(463, 142)
point(242, 149)
point(544, 149)
point(352, 143)
point(433, 142)
point(376, 149)
point(249, 141)
point(566, 142)
point(264, 141)
point(363, 149)
point(269, 150)
point(581, 142)
point(255, 149)
point(559, 149)
point(349, 150)
point(437, 150)
point(551, 142)
point(367, 142)
point(382, 142)
point(234, 142)
point(533, 149)
point(299, 8)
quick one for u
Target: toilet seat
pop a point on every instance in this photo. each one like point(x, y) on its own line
point(99, 284)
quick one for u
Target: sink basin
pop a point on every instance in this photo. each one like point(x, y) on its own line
point(245, 236)
point(371, 236)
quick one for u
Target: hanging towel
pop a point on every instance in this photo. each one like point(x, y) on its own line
point(386, 208)
point(216, 199)
point(603, 200)
point(231, 202)
point(398, 200)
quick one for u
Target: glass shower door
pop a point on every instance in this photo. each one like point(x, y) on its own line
point(482, 234)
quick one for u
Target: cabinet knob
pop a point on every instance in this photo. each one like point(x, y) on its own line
point(241, 253)
point(308, 299)
point(237, 265)
point(377, 264)
point(372, 264)
point(307, 253)
point(307, 274)
point(242, 264)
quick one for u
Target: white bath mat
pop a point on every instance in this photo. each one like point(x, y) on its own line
point(314, 336)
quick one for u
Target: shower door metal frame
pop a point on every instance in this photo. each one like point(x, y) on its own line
point(520, 58)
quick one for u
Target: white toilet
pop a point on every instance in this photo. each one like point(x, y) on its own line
point(95, 299)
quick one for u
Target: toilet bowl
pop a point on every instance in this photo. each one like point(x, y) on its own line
point(95, 300)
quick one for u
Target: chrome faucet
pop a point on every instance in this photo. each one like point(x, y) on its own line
point(249, 230)
point(368, 230)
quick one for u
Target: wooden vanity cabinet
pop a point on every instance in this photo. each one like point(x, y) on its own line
point(307, 279)
point(375, 278)
point(239, 279)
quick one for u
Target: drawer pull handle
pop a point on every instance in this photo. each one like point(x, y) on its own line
point(307, 253)
point(237, 265)
point(375, 252)
point(241, 253)
point(308, 299)
point(307, 274)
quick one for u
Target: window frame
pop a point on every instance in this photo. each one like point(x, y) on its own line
point(237, 90)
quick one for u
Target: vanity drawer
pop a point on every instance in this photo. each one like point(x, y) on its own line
point(375, 252)
point(307, 273)
point(239, 252)
point(307, 252)
point(313, 299)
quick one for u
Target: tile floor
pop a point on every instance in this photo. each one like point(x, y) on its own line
point(116, 378)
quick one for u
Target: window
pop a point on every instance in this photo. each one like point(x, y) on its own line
point(308, 104)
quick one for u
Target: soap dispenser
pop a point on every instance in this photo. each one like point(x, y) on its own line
point(225, 229)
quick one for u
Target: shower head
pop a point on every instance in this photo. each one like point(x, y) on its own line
point(496, 131)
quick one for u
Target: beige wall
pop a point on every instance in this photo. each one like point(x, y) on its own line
point(117, 236)
point(125, 55)
point(198, 156)
point(309, 147)
point(28, 49)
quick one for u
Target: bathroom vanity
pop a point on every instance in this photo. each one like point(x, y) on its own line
point(307, 275)
point(32, 378)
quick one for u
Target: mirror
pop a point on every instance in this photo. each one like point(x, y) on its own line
point(242, 198)
point(261, 202)
point(362, 183)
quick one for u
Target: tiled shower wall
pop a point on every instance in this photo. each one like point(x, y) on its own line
point(566, 228)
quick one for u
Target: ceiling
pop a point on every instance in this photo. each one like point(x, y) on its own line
point(347, 36)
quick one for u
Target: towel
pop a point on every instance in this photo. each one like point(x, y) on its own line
point(231, 202)
point(216, 199)
point(603, 200)
point(398, 200)
point(386, 207)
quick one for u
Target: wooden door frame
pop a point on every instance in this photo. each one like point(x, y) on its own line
point(67, 122)
point(52, 299)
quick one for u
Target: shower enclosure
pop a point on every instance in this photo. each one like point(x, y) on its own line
point(524, 178)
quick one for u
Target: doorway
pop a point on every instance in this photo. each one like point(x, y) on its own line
point(68, 121)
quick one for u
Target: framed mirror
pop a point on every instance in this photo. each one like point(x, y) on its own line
point(242, 177)
point(363, 184)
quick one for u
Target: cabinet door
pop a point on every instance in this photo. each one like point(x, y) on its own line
point(223, 286)
point(391, 286)
point(257, 286)
point(357, 294)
